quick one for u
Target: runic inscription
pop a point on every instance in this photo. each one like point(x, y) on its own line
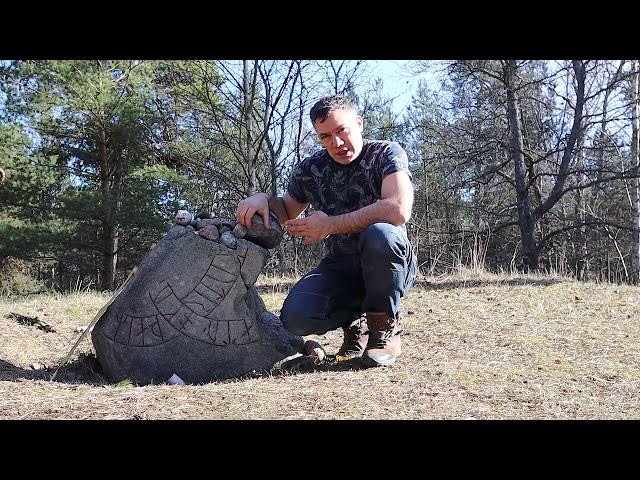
point(192, 309)
point(196, 314)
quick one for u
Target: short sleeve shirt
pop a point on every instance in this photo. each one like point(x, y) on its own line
point(336, 189)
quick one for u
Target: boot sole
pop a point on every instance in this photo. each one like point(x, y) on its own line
point(370, 362)
point(350, 355)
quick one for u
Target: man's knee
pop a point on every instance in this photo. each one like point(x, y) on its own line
point(295, 316)
point(381, 239)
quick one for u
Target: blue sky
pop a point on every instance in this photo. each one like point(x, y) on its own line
point(399, 80)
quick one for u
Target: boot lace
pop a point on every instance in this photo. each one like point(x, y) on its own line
point(381, 338)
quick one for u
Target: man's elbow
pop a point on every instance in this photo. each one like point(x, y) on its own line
point(404, 216)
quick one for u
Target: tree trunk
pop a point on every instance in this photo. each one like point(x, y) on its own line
point(109, 238)
point(526, 221)
point(249, 91)
point(580, 252)
point(110, 257)
point(635, 161)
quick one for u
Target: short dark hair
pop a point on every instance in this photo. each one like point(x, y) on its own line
point(327, 104)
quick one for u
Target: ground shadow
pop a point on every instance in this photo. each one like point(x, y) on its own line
point(10, 372)
point(305, 364)
point(85, 369)
point(446, 285)
point(513, 282)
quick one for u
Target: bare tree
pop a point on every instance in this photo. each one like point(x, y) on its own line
point(635, 162)
point(525, 130)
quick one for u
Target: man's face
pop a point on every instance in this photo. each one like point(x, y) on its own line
point(341, 134)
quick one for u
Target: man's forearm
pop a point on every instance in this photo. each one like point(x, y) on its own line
point(278, 207)
point(386, 211)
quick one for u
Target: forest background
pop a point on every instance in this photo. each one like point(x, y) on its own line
point(518, 165)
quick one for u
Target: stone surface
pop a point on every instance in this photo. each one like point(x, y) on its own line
point(240, 230)
point(183, 217)
point(206, 222)
point(192, 310)
point(210, 232)
point(228, 239)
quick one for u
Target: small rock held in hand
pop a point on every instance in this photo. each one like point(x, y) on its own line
point(265, 237)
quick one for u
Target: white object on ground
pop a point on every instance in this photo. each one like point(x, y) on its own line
point(175, 380)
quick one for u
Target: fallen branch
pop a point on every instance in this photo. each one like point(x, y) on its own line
point(94, 321)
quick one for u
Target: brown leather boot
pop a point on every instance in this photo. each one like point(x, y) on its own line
point(355, 339)
point(384, 340)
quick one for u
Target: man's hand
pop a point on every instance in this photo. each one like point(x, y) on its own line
point(315, 227)
point(258, 203)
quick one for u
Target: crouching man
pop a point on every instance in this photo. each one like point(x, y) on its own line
point(362, 194)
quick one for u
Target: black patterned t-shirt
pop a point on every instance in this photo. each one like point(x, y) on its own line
point(336, 189)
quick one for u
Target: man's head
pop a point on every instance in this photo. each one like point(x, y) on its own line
point(339, 127)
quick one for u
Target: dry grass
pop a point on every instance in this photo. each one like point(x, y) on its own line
point(476, 346)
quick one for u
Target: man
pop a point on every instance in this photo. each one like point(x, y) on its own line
point(362, 196)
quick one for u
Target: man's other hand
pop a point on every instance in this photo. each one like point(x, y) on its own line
point(315, 227)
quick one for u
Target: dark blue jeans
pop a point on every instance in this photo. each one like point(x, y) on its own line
point(340, 288)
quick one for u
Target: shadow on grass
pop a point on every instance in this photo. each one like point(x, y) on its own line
point(85, 369)
point(305, 364)
point(285, 286)
point(513, 282)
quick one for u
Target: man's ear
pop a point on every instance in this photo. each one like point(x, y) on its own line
point(360, 122)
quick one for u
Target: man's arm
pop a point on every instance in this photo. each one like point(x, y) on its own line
point(284, 208)
point(394, 207)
